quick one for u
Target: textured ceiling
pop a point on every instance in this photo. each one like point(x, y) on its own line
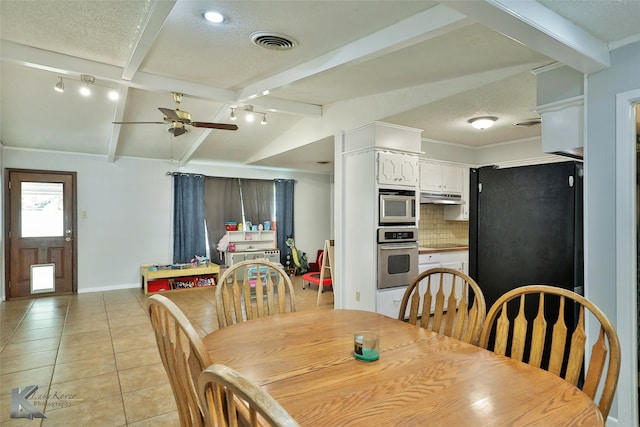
point(418, 64)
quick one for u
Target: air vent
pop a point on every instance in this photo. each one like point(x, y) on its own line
point(272, 41)
point(529, 123)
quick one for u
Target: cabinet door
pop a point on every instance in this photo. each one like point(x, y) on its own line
point(388, 302)
point(460, 212)
point(452, 180)
point(397, 169)
point(430, 177)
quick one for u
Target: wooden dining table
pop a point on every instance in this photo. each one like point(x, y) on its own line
point(305, 361)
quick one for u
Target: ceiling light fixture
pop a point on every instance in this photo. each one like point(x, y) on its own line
point(87, 79)
point(484, 122)
point(214, 17)
point(248, 112)
point(59, 86)
point(114, 95)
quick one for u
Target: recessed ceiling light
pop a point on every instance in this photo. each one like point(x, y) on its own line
point(214, 17)
point(484, 122)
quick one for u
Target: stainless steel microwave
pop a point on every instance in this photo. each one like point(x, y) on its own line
point(397, 207)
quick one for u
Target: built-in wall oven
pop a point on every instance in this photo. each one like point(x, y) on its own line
point(397, 256)
point(397, 207)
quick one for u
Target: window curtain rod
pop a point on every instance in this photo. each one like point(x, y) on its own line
point(208, 176)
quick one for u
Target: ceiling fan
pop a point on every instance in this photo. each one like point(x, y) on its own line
point(178, 119)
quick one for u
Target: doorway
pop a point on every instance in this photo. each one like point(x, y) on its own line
point(40, 233)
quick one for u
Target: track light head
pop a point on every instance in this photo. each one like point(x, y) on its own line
point(264, 119)
point(232, 116)
point(59, 86)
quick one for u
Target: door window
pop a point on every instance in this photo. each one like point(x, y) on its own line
point(42, 209)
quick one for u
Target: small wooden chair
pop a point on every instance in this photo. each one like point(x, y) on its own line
point(425, 298)
point(183, 356)
point(253, 289)
point(548, 346)
point(229, 399)
point(324, 277)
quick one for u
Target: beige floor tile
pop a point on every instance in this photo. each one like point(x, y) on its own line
point(26, 347)
point(85, 368)
point(106, 412)
point(85, 338)
point(74, 353)
point(135, 342)
point(137, 358)
point(99, 387)
point(170, 419)
point(37, 376)
point(148, 402)
point(132, 306)
point(142, 377)
point(56, 322)
point(73, 318)
point(35, 334)
point(85, 326)
point(130, 321)
point(28, 361)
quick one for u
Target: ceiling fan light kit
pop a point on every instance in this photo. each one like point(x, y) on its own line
point(484, 122)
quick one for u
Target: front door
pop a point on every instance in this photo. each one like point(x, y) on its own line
point(40, 233)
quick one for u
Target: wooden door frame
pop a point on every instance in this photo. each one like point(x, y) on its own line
point(7, 225)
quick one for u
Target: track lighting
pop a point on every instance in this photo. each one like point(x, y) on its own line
point(85, 87)
point(249, 114)
point(59, 86)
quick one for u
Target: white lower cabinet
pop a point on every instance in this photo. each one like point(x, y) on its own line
point(388, 301)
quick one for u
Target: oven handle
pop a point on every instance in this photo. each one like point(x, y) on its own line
point(394, 247)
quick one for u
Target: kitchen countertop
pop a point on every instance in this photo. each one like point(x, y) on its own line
point(442, 248)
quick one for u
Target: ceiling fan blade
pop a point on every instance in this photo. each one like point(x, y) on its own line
point(138, 123)
point(170, 114)
point(223, 126)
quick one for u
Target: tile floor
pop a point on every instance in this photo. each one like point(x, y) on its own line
point(94, 357)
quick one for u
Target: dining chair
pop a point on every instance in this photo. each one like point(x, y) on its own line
point(229, 399)
point(549, 343)
point(251, 290)
point(183, 356)
point(446, 301)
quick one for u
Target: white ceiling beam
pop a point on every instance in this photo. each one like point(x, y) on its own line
point(427, 24)
point(150, 29)
point(73, 66)
point(118, 116)
point(540, 29)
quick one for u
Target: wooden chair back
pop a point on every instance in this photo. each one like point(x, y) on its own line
point(558, 348)
point(229, 399)
point(253, 289)
point(446, 301)
point(183, 356)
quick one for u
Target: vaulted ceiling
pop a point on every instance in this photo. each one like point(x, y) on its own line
point(428, 65)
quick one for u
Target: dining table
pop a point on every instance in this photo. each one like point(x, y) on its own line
point(305, 360)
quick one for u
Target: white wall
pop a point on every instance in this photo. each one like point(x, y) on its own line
point(129, 210)
point(601, 285)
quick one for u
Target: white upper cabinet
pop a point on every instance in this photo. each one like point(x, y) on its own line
point(460, 212)
point(441, 178)
point(398, 169)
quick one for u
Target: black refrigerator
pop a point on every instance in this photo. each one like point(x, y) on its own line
point(526, 227)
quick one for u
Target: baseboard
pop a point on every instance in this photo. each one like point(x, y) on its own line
point(110, 288)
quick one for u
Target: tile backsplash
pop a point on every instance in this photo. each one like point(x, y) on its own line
point(435, 230)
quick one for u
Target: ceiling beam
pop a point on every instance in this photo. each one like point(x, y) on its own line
point(73, 66)
point(540, 29)
point(427, 24)
point(150, 29)
point(118, 116)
